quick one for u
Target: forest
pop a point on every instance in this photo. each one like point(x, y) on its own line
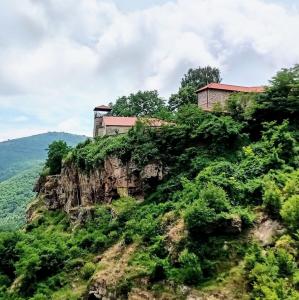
point(227, 170)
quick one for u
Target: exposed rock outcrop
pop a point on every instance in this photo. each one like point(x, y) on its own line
point(74, 188)
point(266, 230)
point(113, 266)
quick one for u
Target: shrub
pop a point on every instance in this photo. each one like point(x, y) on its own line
point(190, 270)
point(215, 197)
point(296, 279)
point(290, 211)
point(272, 197)
point(198, 216)
point(285, 262)
point(270, 273)
point(88, 270)
point(124, 207)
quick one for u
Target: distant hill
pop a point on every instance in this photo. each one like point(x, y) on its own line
point(21, 154)
point(21, 160)
point(15, 194)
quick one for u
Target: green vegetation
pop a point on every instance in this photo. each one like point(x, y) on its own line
point(149, 103)
point(21, 154)
point(15, 194)
point(143, 103)
point(194, 227)
point(190, 83)
point(21, 162)
point(56, 152)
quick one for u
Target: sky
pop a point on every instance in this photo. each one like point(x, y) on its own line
point(59, 59)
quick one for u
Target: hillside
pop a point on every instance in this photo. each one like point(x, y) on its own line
point(21, 161)
point(21, 154)
point(205, 207)
point(15, 194)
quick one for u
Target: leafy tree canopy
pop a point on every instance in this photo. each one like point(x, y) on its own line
point(200, 77)
point(57, 150)
point(281, 99)
point(193, 80)
point(142, 103)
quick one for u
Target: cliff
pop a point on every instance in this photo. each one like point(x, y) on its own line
point(76, 191)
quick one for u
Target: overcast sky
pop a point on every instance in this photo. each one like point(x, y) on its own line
point(59, 59)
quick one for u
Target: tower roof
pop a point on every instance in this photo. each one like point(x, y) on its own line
point(102, 108)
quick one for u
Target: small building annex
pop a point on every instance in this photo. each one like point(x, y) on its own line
point(213, 93)
point(104, 124)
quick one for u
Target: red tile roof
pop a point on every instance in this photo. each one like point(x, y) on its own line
point(232, 88)
point(119, 121)
point(130, 121)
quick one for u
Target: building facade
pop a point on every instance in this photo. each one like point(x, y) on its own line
point(109, 125)
point(105, 124)
point(213, 93)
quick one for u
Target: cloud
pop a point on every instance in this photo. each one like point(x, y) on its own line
point(60, 58)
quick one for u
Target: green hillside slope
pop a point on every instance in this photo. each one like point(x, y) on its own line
point(20, 164)
point(21, 154)
point(15, 194)
point(222, 224)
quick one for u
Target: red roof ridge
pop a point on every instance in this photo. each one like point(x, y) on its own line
point(233, 88)
point(131, 121)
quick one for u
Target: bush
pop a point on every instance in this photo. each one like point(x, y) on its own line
point(198, 216)
point(271, 274)
point(88, 270)
point(290, 211)
point(272, 197)
point(190, 270)
point(216, 198)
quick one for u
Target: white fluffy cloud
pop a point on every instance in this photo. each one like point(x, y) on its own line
point(60, 58)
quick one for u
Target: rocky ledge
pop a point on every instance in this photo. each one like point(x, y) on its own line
point(74, 189)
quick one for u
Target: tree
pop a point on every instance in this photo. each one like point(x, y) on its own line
point(57, 150)
point(193, 80)
point(281, 99)
point(142, 103)
point(200, 77)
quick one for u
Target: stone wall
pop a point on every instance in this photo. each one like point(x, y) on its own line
point(97, 125)
point(208, 98)
point(112, 130)
point(101, 129)
point(202, 98)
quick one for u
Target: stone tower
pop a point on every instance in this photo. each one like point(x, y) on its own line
point(99, 112)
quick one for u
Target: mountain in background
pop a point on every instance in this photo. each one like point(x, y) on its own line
point(20, 154)
point(21, 160)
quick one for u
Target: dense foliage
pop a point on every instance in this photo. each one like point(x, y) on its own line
point(142, 103)
point(225, 173)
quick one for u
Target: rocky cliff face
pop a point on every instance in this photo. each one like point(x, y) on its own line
point(74, 189)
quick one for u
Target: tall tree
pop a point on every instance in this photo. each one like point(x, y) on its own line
point(142, 103)
point(193, 80)
point(57, 150)
point(281, 99)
